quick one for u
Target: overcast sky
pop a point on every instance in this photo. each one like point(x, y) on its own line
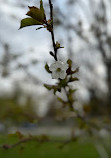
point(35, 44)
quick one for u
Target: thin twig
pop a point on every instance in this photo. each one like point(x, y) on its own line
point(52, 31)
point(28, 139)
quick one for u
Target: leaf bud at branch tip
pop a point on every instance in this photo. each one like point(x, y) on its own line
point(51, 53)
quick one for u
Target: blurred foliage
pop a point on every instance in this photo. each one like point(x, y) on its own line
point(12, 112)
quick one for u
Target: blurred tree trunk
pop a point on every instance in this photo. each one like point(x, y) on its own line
point(108, 66)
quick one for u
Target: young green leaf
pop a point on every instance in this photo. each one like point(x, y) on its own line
point(76, 70)
point(36, 14)
point(69, 62)
point(47, 68)
point(72, 79)
point(61, 100)
point(29, 22)
point(41, 5)
point(57, 45)
point(53, 87)
point(42, 9)
point(63, 83)
point(49, 87)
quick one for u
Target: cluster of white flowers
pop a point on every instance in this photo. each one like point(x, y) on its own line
point(58, 70)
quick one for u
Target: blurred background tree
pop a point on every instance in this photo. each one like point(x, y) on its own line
point(83, 27)
point(88, 36)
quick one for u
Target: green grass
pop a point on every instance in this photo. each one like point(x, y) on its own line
point(48, 150)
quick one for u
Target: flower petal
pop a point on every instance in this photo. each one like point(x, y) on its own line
point(59, 63)
point(64, 67)
point(62, 75)
point(53, 67)
point(55, 75)
point(58, 74)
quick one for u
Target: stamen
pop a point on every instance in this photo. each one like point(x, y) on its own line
point(58, 70)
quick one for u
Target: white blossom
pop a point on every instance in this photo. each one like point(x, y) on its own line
point(58, 70)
